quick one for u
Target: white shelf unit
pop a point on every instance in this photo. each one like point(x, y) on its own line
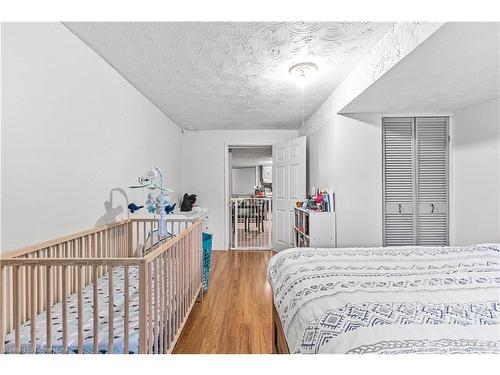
point(314, 229)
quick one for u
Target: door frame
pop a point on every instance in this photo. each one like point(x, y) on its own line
point(227, 146)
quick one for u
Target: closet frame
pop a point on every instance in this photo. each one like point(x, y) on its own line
point(415, 174)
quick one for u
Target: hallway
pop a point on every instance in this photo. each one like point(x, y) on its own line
point(235, 315)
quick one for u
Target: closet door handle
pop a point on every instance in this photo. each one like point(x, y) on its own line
point(432, 208)
point(400, 208)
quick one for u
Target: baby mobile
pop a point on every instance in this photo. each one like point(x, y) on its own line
point(155, 204)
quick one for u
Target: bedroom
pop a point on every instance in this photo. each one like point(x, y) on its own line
point(250, 187)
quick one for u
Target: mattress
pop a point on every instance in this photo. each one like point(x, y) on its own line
point(72, 303)
point(389, 300)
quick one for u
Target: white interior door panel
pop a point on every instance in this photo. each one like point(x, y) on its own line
point(289, 186)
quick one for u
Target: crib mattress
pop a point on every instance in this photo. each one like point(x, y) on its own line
point(72, 303)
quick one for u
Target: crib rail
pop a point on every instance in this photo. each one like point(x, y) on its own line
point(40, 278)
point(172, 278)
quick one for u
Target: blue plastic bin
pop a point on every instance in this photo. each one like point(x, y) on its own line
point(207, 252)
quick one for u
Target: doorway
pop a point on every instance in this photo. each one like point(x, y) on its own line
point(250, 186)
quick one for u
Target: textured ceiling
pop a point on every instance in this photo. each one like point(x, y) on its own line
point(213, 75)
point(456, 67)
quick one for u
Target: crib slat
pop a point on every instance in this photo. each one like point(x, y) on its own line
point(190, 274)
point(76, 251)
point(155, 314)
point(40, 282)
point(99, 250)
point(3, 300)
point(177, 272)
point(33, 309)
point(110, 310)
point(80, 309)
point(137, 231)
point(150, 307)
point(184, 273)
point(126, 307)
point(27, 284)
point(58, 274)
point(168, 300)
point(16, 300)
point(64, 297)
point(168, 275)
point(185, 277)
point(108, 244)
point(144, 239)
point(173, 287)
point(125, 248)
point(48, 286)
point(178, 291)
point(95, 300)
point(120, 242)
point(150, 232)
point(115, 241)
point(143, 276)
point(87, 255)
point(162, 291)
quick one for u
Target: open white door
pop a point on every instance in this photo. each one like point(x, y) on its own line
point(289, 186)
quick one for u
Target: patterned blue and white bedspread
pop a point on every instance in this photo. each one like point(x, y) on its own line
point(389, 300)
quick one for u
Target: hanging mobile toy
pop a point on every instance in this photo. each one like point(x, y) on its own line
point(155, 205)
point(151, 204)
point(133, 207)
point(169, 208)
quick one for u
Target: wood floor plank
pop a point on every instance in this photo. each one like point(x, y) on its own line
point(235, 316)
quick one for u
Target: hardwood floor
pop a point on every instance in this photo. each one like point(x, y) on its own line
point(236, 313)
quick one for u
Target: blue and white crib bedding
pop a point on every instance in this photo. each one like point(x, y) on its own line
point(389, 300)
point(103, 300)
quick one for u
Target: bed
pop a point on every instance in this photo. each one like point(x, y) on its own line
point(113, 289)
point(386, 300)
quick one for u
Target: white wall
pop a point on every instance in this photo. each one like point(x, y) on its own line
point(475, 205)
point(72, 131)
point(203, 164)
point(244, 180)
point(346, 154)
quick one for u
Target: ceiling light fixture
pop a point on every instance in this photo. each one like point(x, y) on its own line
point(303, 71)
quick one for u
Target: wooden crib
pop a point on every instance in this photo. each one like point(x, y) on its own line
point(122, 291)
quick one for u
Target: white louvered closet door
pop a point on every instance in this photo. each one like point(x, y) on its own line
point(415, 181)
point(399, 181)
point(432, 180)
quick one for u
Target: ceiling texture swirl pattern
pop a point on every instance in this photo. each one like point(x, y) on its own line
point(228, 75)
